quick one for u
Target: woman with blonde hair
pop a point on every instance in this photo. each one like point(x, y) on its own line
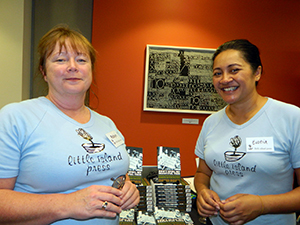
point(60, 161)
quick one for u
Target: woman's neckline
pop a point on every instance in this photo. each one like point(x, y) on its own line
point(241, 117)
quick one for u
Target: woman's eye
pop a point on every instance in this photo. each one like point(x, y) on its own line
point(235, 70)
point(81, 60)
point(216, 73)
point(60, 60)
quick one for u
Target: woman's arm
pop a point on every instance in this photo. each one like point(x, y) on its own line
point(241, 208)
point(207, 200)
point(23, 208)
point(202, 176)
point(283, 203)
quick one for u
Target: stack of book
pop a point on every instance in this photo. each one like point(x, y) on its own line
point(165, 198)
point(173, 196)
point(171, 191)
point(135, 175)
point(146, 197)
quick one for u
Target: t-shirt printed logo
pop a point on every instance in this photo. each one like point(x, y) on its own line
point(94, 163)
point(90, 147)
point(234, 156)
point(233, 165)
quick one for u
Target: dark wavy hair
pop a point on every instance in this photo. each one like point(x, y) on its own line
point(249, 52)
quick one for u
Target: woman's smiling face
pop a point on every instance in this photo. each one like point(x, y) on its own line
point(67, 71)
point(233, 77)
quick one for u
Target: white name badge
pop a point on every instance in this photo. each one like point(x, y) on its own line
point(115, 138)
point(260, 144)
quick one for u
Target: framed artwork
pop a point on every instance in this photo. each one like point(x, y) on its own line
point(179, 79)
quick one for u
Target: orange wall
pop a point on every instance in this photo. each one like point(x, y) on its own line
point(121, 30)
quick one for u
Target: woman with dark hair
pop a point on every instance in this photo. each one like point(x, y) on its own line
point(60, 161)
point(249, 150)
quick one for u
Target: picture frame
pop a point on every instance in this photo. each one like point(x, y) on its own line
point(179, 79)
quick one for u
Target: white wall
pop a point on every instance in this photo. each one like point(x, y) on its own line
point(15, 16)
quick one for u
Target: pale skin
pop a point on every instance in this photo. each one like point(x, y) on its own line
point(69, 76)
point(234, 80)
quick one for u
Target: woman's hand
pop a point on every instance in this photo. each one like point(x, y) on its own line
point(90, 202)
point(241, 208)
point(130, 195)
point(82, 204)
point(208, 203)
point(207, 200)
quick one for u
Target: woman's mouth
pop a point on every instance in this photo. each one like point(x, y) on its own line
point(229, 89)
point(73, 79)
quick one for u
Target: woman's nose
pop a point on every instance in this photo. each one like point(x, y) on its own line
point(72, 67)
point(226, 78)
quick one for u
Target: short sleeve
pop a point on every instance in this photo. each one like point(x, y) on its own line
point(9, 143)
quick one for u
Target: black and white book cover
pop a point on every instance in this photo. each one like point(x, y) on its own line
point(136, 164)
point(168, 216)
point(187, 218)
point(145, 218)
point(127, 217)
point(168, 164)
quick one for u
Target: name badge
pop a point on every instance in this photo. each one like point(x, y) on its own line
point(260, 144)
point(115, 138)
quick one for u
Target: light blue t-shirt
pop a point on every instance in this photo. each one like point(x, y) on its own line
point(41, 146)
point(257, 157)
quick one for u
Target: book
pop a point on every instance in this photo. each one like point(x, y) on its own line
point(187, 218)
point(168, 216)
point(168, 164)
point(146, 203)
point(127, 217)
point(172, 195)
point(144, 218)
point(136, 164)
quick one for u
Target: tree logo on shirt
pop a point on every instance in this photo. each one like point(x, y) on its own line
point(234, 156)
point(90, 147)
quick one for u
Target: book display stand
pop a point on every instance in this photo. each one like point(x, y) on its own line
point(165, 198)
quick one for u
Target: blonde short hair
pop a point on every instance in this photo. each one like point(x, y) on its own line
point(60, 34)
